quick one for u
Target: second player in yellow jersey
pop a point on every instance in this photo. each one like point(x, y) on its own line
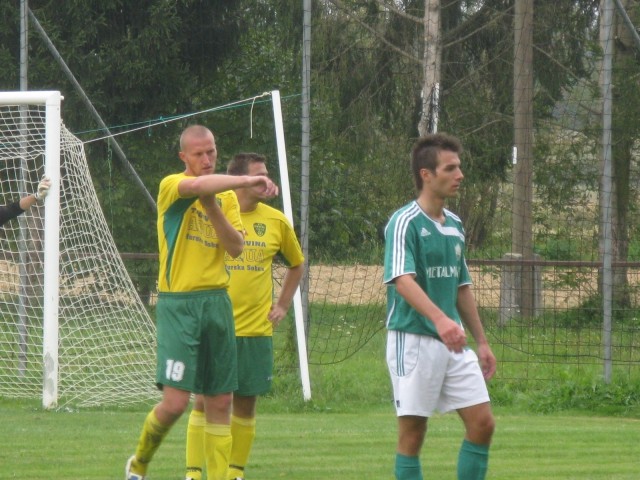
point(268, 233)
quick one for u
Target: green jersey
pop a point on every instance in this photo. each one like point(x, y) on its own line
point(433, 252)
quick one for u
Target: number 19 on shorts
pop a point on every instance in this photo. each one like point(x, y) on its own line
point(174, 371)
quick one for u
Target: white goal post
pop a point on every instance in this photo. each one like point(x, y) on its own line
point(73, 326)
point(288, 211)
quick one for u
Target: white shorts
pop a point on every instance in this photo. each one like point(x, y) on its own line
point(427, 377)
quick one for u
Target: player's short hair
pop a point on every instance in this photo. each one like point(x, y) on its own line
point(193, 131)
point(426, 151)
point(239, 164)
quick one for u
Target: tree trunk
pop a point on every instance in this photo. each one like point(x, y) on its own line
point(431, 63)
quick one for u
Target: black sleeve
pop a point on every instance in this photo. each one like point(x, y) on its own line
point(9, 212)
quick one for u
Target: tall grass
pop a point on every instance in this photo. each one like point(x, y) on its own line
point(528, 382)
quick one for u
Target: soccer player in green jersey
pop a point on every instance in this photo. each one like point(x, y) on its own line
point(267, 233)
point(198, 224)
point(429, 305)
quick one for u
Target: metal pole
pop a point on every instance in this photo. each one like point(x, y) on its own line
point(629, 24)
point(606, 208)
point(24, 44)
point(23, 320)
point(305, 155)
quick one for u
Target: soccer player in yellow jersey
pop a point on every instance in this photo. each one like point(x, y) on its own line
point(267, 234)
point(198, 224)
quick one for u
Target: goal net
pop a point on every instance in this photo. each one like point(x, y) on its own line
point(94, 344)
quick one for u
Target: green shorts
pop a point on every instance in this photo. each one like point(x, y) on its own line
point(255, 365)
point(196, 342)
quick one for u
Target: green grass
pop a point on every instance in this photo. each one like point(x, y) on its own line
point(314, 445)
point(573, 429)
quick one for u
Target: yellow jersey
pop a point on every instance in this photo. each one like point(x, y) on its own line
point(191, 257)
point(267, 234)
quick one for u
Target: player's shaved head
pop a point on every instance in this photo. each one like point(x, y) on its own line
point(193, 131)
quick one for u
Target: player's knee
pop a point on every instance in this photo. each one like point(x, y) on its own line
point(174, 405)
point(198, 403)
point(489, 426)
point(218, 404)
point(482, 429)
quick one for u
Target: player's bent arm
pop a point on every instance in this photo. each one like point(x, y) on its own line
point(450, 332)
point(231, 239)
point(217, 183)
point(290, 283)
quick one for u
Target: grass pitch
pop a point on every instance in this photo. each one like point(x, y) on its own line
point(348, 430)
point(319, 445)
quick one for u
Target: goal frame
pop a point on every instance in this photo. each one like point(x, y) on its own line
point(52, 101)
point(298, 311)
point(50, 361)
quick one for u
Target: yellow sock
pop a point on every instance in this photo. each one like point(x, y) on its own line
point(217, 448)
point(195, 444)
point(153, 432)
point(243, 431)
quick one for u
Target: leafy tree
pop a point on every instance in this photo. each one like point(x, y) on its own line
point(139, 62)
point(378, 46)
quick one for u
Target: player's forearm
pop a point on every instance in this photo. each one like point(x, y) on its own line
point(27, 202)
point(230, 239)
point(212, 184)
point(290, 283)
point(468, 311)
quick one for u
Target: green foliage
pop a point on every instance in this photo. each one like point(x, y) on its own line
point(348, 220)
point(571, 393)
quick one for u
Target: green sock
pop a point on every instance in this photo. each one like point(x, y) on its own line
point(473, 461)
point(408, 468)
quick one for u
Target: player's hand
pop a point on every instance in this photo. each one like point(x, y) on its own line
point(276, 314)
point(265, 185)
point(487, 361)
point(43, 188)
point(452, 335)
